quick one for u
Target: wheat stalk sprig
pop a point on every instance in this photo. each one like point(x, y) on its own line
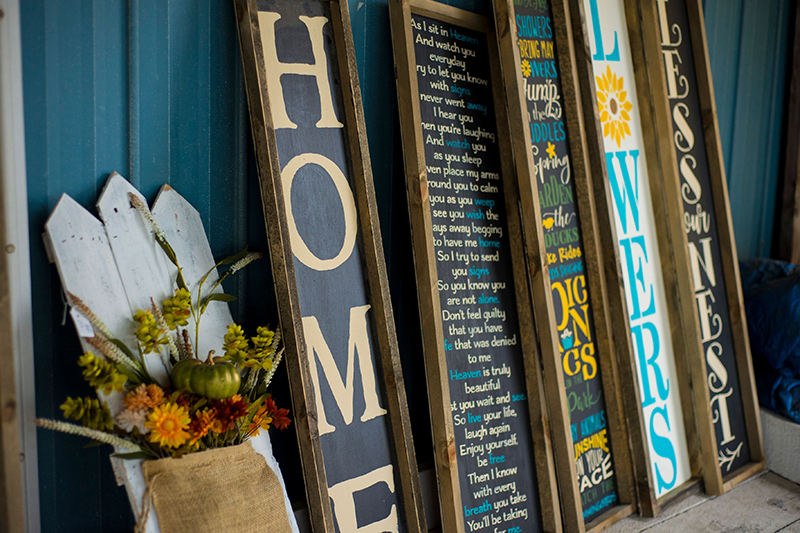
point(243, 262)
point(147, 215)
point(187, 344)
point(111, 351)
point(74, 429)
point(94, 320)
point(162, 324)
point(275, 362)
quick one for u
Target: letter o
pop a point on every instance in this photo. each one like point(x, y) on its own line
point(299, 247)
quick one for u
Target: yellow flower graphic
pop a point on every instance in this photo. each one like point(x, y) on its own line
point(614, 106)
point(526, 68)
point(551, 149)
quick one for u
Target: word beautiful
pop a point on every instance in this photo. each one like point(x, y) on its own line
point(627, 174)
point(312, 271)
point(571, 300)
point(701, 228)
point(476, 287)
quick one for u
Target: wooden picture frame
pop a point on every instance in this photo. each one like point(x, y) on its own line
point(329, 119)
point(677, 293)
point(554, 114)
point(413, 22)
point(733, 404)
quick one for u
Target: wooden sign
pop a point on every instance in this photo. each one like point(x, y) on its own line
point(641, 194)
point(546, 125)
point(327, 260)
point(712, 250)
point(490, 431)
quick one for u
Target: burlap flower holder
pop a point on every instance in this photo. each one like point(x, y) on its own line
point(217, 491)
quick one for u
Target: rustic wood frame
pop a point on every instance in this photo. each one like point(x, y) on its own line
point(544, 420)
point(612, 346)
point(390, 378)
point(730, 262)
point(664, 182)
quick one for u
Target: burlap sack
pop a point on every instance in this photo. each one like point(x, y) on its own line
point(217, 491)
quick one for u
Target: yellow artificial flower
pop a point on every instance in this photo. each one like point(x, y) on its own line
point(613, 106)
point(149, 334)
point(236, 344)
point(168, 424)
point(177, 309)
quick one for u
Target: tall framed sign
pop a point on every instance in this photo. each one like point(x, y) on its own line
point(491, 430)
point(733, 405)
point(536, 49)
point(631, 148)
point(327, 260)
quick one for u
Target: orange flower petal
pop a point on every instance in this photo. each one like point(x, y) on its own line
point(627, 129)
point(624, 114)
point(606, 129)
point(604, 116)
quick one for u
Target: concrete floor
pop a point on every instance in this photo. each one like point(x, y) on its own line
point(766, 503)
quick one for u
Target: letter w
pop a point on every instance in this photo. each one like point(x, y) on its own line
point(275, 69)
point(629, 191)
point(343, 390)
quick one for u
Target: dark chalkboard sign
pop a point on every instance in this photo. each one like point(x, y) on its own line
point(484, 378)
point(328, 266)
point(707, 223)
point(546, 131)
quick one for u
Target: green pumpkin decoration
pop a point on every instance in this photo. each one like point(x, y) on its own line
point(215, 378)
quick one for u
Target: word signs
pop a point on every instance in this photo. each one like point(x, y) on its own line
point(475, 279)
point(563, 242)
point(702, 232)
point(323, 215)
point(627, 172)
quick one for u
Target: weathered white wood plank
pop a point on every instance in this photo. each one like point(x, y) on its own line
point(87, 268)
point(185, 232)
point(141, 263)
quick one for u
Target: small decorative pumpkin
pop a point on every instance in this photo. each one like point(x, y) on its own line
point(215, 379)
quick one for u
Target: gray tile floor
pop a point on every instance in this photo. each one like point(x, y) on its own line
point(766, 503)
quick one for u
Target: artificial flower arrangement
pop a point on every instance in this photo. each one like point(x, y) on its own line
point(208, 403)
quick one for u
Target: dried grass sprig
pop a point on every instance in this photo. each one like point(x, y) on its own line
point(101, 436)
point(96, 323)
point(112, 352)
point(275, 362)
point(162, 324)
point(140, 206)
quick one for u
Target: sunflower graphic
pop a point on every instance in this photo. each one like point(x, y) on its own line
point(614, 106)
point(526, 68)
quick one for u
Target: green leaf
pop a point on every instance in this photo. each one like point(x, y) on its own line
point(93, 444)
point(216, 297)
point(132, 376)
point(134, 455)
point(180, 281)
point(168, 251)
point(234, 258)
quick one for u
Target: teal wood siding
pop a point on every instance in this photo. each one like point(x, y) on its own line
point(748, 43)
point(154, 90)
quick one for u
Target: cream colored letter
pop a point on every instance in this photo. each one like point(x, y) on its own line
point(275, 69)
point(345, 508)
point(299, 247)
point(343, 390)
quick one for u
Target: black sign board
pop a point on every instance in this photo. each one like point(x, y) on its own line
point(484, 376)
point(702, 230)
point(476, 282)
point(566, 256)
point(327, 261)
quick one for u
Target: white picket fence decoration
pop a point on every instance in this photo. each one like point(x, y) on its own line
point(116, 266)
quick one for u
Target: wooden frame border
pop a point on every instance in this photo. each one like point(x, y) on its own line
point(672, 243)
point(389, 373)
point(730, 257)
point(555, 418)
point(607, 350)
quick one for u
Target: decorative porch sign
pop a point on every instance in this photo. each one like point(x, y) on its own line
point(625, 159)
point(327, 259)
point(563, 241)
point(484, 375)
point(703, 234)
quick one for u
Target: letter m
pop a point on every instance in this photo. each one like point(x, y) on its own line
point(343, 389)
point(628, 191)
point(275, 69)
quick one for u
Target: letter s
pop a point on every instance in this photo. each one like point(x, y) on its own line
point(662, 446)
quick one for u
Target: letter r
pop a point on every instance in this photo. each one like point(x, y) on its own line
point(275, 69)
